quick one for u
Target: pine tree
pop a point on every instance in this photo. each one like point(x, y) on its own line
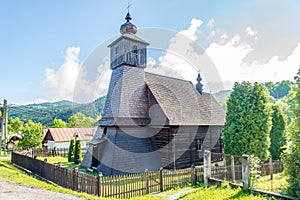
point(71, 150)
point(277, 133)
point(77, 152)
point(248, 121)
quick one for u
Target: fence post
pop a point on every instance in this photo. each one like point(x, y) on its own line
point(147, 180)
point(161, 187)
point(193, 175)
point(75, 179)
point(271, 168)
point(232, 169)
point(99, 182)
point(246, 172)
point(207, 167)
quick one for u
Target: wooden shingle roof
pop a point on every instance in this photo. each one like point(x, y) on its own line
point(66, 134)
point(181, 102)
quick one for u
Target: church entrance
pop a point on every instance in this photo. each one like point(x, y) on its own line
point(96, 155)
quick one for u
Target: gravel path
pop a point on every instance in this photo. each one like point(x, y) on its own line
point(10, 191)
point(176, 195)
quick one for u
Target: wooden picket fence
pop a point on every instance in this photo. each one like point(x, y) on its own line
point(46, 152)
point(122, 186)
point(228, 167)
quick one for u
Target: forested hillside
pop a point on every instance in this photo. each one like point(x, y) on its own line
point(46, 112)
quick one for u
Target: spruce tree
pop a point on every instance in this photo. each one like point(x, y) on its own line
point(248, 121)
point(77, 152)
point(71, 150)
point(277, 133)
point(292, 159)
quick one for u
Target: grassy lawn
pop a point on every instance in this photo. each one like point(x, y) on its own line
point(221, 193)
point(11, 174)
point(63, 160)
point(279, 183)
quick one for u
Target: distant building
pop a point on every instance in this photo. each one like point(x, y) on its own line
point(61, 137)
point(151, 121)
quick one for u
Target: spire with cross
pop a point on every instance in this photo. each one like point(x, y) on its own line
point(199, 85)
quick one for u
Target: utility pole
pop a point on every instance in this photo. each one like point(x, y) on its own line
point(5, 123)
point(1, 129)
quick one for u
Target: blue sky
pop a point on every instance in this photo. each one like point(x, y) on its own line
point(256, 38)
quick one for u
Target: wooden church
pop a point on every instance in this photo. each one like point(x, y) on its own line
point(151, 121)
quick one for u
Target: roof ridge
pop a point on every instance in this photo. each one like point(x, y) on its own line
point(164, 76)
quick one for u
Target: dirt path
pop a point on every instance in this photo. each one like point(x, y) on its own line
point(176, 195)
point(10, 191)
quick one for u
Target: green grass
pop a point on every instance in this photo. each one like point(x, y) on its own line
point(279, 183)
point(221, 193)
point(11, 174)
point(63, 160)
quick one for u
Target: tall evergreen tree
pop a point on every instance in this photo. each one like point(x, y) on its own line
point(71, 150)
point(248, 121)
point(277, 133)
point(77, 152)
point(292, 159)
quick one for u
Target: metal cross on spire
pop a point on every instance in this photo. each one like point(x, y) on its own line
point(128, 6)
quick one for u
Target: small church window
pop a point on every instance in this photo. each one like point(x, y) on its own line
point(134, 49)
point(198, 144)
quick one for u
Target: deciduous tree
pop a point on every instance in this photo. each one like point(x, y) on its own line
point(58, 123)
point(15, 125)
point(79, 120)
point(32, 135)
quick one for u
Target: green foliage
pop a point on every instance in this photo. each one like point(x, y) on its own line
point(288, 103)
point(33, 135)
point(254, 170)
point(77, 152)
point(58, 123)
point(46, 112)
point(277, 133)
point(71, 151)
point(15, 125)
point(292, 158)
point(279, 89)
point(79, 120)
point(248, 121)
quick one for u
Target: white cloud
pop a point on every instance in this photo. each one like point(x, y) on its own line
point(228, 59)
point(191, 32)
point(251, 32)
point(182, 59)
point(173, 62)
point(211, 23)
point(62, 82)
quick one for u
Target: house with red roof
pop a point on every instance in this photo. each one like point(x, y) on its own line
point(61, 137)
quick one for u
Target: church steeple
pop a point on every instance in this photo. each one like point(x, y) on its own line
point(128, 27)
point(128, 49)
point(199, 85)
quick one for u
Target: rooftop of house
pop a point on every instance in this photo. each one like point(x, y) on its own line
point(66, 134)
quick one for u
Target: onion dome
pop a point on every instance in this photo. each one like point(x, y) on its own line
point(128, 27)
